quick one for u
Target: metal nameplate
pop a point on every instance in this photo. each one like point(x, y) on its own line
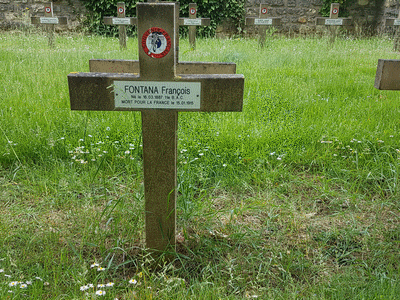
point(189, 22)
point(121, 21)
point(334, 22)
point(157, 95)
point(262, 21)
point(48, 20)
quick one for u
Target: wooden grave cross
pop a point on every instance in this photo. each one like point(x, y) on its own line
point(192, 22)
point(262, 21)
point(396, 23)
point(122, 21)
point(333, 21)
point(49, 20)
point(158, 86)
point(387, 74)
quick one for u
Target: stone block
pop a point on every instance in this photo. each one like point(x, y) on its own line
point(35, 8)
point(303, 3)
point(304, 30)
point(226, 29)
point(275, 2)
point(390, 3)
point(302, 20)
point(317, 2)
point(251, 12)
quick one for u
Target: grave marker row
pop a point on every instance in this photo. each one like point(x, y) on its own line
point(263, 20)
point(122, 21)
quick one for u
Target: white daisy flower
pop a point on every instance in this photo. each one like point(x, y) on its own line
point(84, 288)
point(100, 293)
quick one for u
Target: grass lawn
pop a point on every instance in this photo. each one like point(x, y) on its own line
point(296, 197)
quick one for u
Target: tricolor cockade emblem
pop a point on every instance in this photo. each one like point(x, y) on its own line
point(156, 42)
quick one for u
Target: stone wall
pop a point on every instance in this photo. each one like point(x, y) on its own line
point(298, 16)
point(391, 9)
point(17, 13)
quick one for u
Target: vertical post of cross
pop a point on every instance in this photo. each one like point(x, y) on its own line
point(334, 15)
point(262, 21)
point(192, 28)
point(159, 127)
point(396, 24)
point(192, 22)
point(262, 30)
point(122, 28)
point(48, 12)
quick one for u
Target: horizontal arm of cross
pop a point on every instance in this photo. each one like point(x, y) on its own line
point(132, 66)
point(94, 91)
point(388, 74)
point(61, 20)
point(204, 21)
point(109, 20)
point(345, 21)
point(275, 21)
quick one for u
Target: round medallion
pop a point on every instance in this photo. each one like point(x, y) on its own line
point(47, 9)
point(192, 11)
point(121, 10)
point(335, 11)
point(156, 42)
point(264, 10)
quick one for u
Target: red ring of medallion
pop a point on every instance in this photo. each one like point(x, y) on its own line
point(121, 10)
point(264, 10)
point(47, 9)
point(166, 36)
point(335, 11)
point(192, 11)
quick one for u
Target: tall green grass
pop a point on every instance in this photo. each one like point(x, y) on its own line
point(295, 197)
